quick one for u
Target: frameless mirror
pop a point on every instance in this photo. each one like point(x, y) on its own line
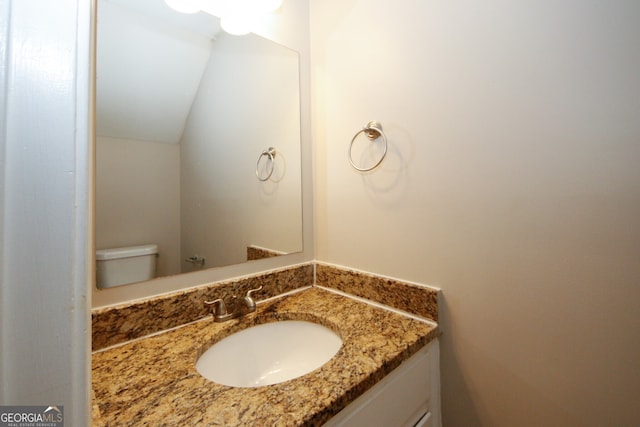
point(185, 117)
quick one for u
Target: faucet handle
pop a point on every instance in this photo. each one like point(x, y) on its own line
point(252, 291)
point(250, 304)
point(219, 308)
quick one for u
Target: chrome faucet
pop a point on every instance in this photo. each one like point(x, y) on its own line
point(220, 313)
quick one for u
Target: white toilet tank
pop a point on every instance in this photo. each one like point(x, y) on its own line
point(119, 266)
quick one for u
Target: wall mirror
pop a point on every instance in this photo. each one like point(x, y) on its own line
point(185, 115)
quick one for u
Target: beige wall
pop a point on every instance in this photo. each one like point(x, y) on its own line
point(512, 182)
point(138, 197)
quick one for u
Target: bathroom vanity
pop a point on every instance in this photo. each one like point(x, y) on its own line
point(385, 373)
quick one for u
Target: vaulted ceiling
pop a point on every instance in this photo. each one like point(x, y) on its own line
point(149, 63)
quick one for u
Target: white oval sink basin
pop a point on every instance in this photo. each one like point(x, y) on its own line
point(269, 353)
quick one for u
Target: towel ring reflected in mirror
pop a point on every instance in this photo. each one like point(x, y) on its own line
point(270, 153)
point(373, 130)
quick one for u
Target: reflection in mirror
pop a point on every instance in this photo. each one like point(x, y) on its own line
point(184, 113)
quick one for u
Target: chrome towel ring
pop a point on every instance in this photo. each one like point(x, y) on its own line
point(270, 153)
point(373, 130)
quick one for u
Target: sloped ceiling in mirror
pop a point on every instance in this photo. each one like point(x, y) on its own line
point(166, 54)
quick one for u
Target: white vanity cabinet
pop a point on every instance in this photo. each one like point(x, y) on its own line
point(409, 396)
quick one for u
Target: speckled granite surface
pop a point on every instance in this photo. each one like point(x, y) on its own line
point(116, 324)
point(412, 298)
point(256, 252)
point(153, 381)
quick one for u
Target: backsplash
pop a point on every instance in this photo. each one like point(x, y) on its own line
point(256, 252)
point(124, 322)
point(116, 324)
point(415, 299)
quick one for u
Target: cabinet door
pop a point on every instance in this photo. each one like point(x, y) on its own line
point(400, 399)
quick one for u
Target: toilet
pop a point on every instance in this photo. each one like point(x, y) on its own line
point(119, 266)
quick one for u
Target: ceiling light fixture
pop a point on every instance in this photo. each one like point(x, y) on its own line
point(236, 24)
point(237, 17)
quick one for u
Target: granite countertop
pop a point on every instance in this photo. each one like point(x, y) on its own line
point(153, 380)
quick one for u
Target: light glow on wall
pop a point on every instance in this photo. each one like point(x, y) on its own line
point(183, 6)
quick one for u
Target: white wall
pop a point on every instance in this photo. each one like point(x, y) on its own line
point(512, 182)
point(138, 197)
point(45, 213)
point(248, 100)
